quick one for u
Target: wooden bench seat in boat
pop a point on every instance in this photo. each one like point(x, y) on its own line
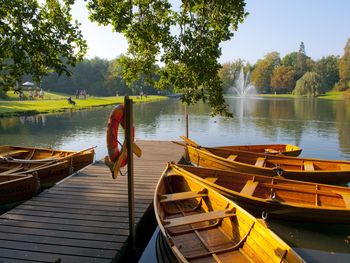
point(260, 161)
point(180, 196)
point(197, 218)
point(346, 198)
point(12, 153)
point(249, 187)
point(232, 157)
point(309, 166)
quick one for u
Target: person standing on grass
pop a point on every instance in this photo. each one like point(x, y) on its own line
point(31, 95)
point(41, 93)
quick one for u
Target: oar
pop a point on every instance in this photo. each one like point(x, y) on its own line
point(189, 141)
point(76, 153)
point(115, 166)
point(137, 150)
point(118, 162)
point(179, 143)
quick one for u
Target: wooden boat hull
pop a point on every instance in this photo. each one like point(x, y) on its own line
point(284, 149)
point(201, 225)
point(324, 171)
point(49, 165)
point(276, 149)
point(15, 154)
point(277, 197)
point(48, 173)
point(17, 188)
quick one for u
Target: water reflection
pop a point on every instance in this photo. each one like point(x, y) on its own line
point(320, 127)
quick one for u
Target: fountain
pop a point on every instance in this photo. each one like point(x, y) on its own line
point(242, 85)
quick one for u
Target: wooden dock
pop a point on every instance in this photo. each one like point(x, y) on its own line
point(85, 217)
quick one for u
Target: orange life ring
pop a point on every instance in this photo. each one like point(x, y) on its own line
point(116, 118)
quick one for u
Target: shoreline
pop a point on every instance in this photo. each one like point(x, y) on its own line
point(331, 95)
point(10, 108)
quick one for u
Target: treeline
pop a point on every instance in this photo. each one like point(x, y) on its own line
point(294, 73)
point(98, 77)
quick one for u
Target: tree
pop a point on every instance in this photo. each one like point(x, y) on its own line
point(185, 38)
point(290, 60)
point(327, 68)
point(36, 39)
point(88, 74)
point(261, 75)
point(229, 72)
point(308, 85)
point(282, 79)
point(115, 83)
point(344, 68)
point(303, 62)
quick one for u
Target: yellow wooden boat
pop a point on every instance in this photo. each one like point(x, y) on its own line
point(20, 154)
point(48, 164)
point(304, 169)
point(14, 188)
point(284, 149)
point(201, 225)
point(277, 197)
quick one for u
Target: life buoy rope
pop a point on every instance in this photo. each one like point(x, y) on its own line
point(115, 119)
point(118, 158)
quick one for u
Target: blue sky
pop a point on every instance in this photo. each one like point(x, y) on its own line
point(272, 25)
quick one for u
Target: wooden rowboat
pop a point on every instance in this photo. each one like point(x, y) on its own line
point(284, 149)
point(201, 225)
point(277, 197)
point(304, 169)
point(48, 173)
point(19, 154)
point(49, 165)
point(14, 188)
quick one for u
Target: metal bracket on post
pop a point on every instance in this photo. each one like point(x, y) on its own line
point(130, 163)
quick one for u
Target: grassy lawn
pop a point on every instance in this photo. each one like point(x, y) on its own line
point(331, 95)
point(47, 95)
point(58, 102)
point(277, 95)
point(334, 95)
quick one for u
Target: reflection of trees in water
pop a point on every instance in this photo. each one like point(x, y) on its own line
point(342, 109)
point(51, 128)
point(271, 119)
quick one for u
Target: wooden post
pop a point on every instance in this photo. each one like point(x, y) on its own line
point(186, 119)
point(129, 146)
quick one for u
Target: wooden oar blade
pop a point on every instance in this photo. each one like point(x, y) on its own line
point(118, 163)
point(137, 150)
point(189, 141)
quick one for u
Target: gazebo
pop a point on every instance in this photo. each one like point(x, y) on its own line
point(28, 84)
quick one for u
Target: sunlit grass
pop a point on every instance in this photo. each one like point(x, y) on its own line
point(47, 95)
point(331, 95)
point(11, 107)
point(277, 95)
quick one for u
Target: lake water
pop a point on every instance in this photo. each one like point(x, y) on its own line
point(320, 127)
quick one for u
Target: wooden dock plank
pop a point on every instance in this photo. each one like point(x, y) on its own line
point(9, 255)
point(69, 228)
point(85, 217)
point(60, 233)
